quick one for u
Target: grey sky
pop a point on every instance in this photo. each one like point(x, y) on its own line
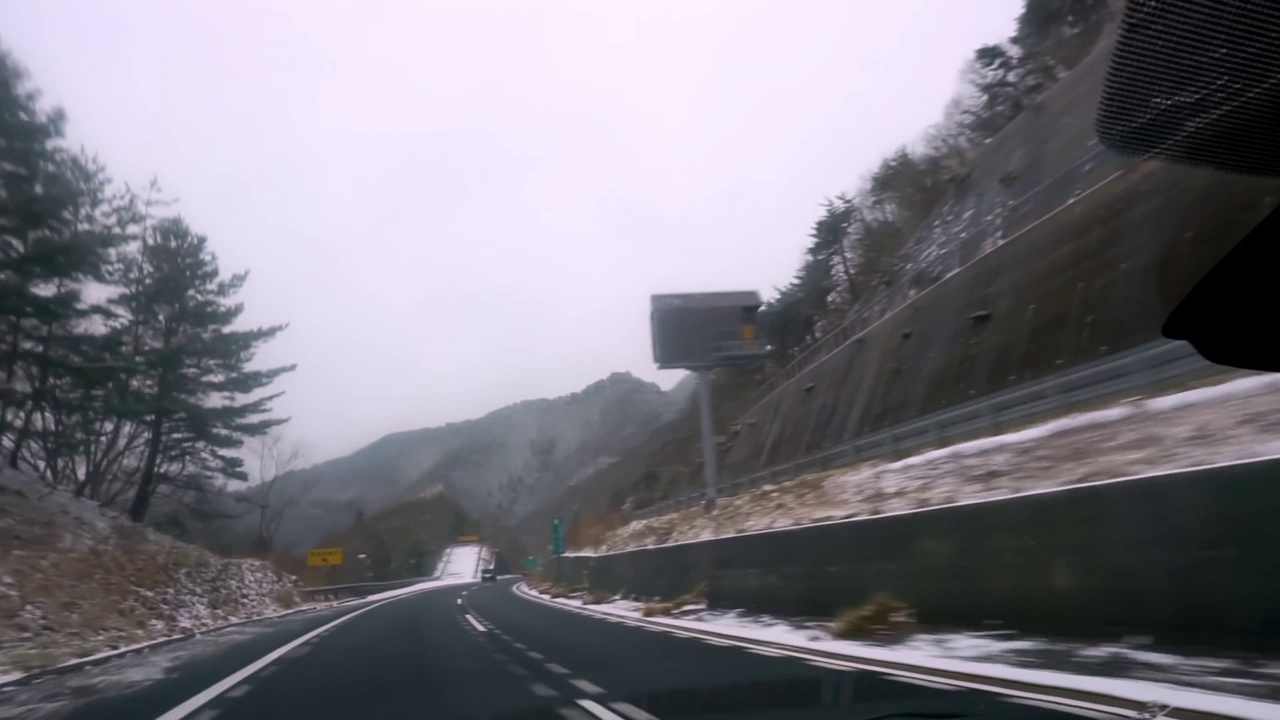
point(462, 205)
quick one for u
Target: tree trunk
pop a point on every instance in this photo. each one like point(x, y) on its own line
point(142, 496)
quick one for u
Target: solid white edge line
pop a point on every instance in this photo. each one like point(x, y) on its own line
point(1058, 708)
point(853, 664)
point(474, 623)
point(924, 683)
point(199, 699)
point(598, 710)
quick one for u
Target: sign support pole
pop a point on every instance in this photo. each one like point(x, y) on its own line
point(710, 472)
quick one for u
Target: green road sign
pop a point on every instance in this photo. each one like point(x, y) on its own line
point(557, 537)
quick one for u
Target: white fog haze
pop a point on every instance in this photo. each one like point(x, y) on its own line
point(458, 206)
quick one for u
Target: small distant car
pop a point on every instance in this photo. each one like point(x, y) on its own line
point(488, 575)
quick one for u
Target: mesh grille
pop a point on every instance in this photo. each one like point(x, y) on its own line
point(1196, 82)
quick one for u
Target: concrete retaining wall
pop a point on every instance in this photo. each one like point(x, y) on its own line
point(1188, 557)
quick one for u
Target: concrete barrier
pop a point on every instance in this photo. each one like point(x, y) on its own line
point(1186, 557)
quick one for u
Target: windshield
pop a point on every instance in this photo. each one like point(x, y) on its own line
point(639, 359)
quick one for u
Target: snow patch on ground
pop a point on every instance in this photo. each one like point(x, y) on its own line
point(76, 580)
point(1203, 683)
point(1226, 422)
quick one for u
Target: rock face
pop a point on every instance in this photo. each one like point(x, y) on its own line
point(496, 467)
point(1051, 252)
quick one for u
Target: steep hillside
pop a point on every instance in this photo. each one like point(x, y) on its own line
point(76, 579)
point(500, 465)
point(1049, 252)
point(666, 464)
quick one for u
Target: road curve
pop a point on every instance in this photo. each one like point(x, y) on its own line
point(472, 651)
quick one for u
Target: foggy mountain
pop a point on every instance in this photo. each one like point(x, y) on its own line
point(497, 467)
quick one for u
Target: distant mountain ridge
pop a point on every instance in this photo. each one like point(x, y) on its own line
point(496, 467)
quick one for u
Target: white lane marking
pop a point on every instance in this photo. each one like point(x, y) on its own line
point(586, 686)
point(854, 663)
point(299, 651)
point(459, 599)
point(264, 672)
point(226, 683)
point(574, 713)
point(474, 624)
point(542, 690)
point(599, 710)
point(516, 669)
point(718, 642)
point(557, 669)
point(518, 645)
point(534, 655)
point(206, 714)
point(923, 683)
point(237, 691)
point(766, 653)
point(1059, 708)
point(631, 711)
point(827, 665)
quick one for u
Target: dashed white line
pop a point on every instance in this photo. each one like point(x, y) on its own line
point(459, 599)
point(516, 669)
point(717, 642)
point(206, 714)
point(586, 686)
point(573, 713)
point(922, 683)
point(631, 711)
point(534, 655)
point(557, 669)
point(542, 690)
point(599, 710)
point(237, 691)
point(475, 624)
point(766, 653)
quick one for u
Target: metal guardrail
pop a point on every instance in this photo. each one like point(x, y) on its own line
point(1137, 370)
point(357, 589)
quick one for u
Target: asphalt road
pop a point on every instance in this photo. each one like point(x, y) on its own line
point(481, 651)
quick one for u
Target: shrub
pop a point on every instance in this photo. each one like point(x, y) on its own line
point(879, 615)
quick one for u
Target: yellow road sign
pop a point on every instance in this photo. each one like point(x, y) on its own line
point(324, 556)
point(468, 538)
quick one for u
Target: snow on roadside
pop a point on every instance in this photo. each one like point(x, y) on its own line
point(1226, 422)
point(1221, 682)
point(76, 581)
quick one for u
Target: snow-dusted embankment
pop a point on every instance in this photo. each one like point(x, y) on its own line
point(1227, 422)
point(75, 580)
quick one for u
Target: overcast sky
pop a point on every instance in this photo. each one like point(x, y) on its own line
point(462, 205)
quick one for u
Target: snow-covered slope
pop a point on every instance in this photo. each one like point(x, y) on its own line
point(462, 562)
point(76, 580)
point(1230, 421)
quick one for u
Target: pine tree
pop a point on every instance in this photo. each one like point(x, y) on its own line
point(194, 391)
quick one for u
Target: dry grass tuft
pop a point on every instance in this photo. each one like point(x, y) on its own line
point(882, 614)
